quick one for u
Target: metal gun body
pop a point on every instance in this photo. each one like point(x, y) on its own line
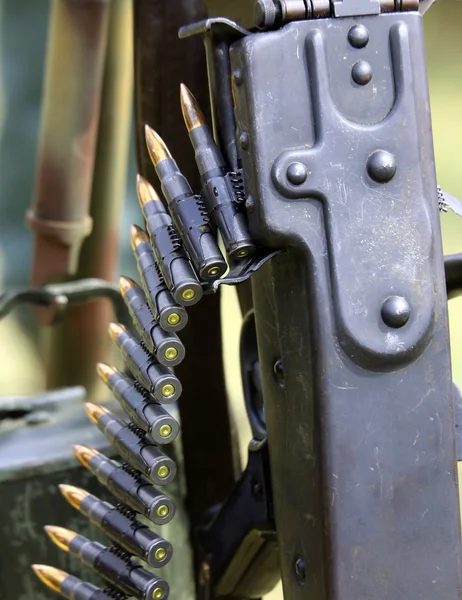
point(339, 172)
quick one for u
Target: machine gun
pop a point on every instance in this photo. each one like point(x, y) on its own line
point(320, 180)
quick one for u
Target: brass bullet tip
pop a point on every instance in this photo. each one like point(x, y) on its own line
point(50, 576)
point(156, 146)
point(60, 536)
point(95, 411)
point(115, 329)
point(192, 114)
point(137, 236)
point(105, 371)
point(72, 494)
point(126, 283)
point(146, 193)
point(84, 454)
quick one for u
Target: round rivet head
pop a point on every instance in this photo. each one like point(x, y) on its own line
point(297, 173)
point(395, 311)
point(361, 72)
point(358, 36)
point(381, 166)
point(244, 140)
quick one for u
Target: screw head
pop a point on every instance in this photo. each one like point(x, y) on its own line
point(358, 36)
point(168, 390)
point(297, 173)
point(171, 353)
point(163, 511)
point(361, 72)
point(160, 553)
point(165, 430)
point(188, 294)
point(395, 311)
point(381, 166)
point(244, 140)
point(173, 319)
point(163, 472)
point(300, 569)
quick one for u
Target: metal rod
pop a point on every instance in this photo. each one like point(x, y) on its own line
point(82, 339)
point(71, 102)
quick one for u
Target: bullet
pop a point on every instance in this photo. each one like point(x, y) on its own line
point(134, 447)
point(121, 525)
point(141, 407)
point(154, 377)
point(69, 586)
point(111, 564)
point(170, 315)
point(128, 485)
point(164, 346)
point(192, 114)
point(157, 149)
point(223, 192)
point(189, 214)
point(174, 264)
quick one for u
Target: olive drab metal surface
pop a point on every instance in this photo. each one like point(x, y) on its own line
point(340, 172)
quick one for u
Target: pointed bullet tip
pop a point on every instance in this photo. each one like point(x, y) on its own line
point(84, 454)
point(50, 576)
point(95, 411)
point(146, 193)
point(72, 494)
point(126, 283)
point(115, 329)
point(156, 146)
point(192, 114)
point(60, 536)
point(137, 236)
point(105, 371)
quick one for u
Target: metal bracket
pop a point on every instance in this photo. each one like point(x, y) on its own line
point(61, 295)
point(242, 271)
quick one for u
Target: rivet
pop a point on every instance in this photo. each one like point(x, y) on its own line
point(395, 311)
point(244, 140)
point(381, 166)
point(297, 173)
point(358, 36)
point(361, 72)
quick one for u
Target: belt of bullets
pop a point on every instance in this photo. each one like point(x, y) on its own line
point(176, 256)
